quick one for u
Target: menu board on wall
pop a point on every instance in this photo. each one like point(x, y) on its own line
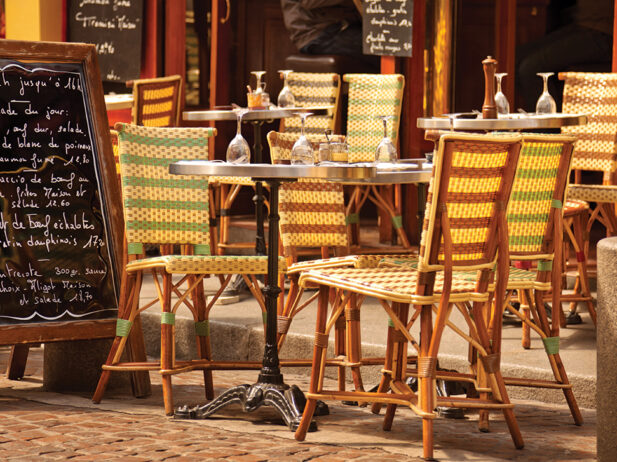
point(115, 28)
point(386, 27)
point(58, 237)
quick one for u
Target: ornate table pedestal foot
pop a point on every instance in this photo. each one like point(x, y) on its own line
point(288, 401)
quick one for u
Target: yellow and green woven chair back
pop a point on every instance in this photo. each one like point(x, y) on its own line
point(594, 94)
point(472, 179)
point(312, 89)
point(281, 144)
point(370, 97)
point(156, 102)
point(538, 193)
point(160, 208)
point(312, 212)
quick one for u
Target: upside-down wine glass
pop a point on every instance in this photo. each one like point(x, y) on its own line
point(546, 103)
point(302, 151)
point(503, 107)
point(286, 97)
point(238, 151)
point(258, 75)
point(385, 152)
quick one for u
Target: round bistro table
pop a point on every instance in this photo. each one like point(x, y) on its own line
point(257, 117)
point(270, 388)
point(528, 121)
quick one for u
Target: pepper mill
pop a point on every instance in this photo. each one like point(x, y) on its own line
point(489, 108)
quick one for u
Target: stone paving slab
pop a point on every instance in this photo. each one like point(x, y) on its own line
point(51, 426)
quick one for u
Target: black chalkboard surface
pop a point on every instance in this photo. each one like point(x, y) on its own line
point(59, 234)
point(386, 27)
point(115, 28)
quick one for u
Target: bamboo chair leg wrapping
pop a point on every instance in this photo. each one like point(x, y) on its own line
point(317, 366)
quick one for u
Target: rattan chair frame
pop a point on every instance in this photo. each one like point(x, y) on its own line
point(172, 213)
point(371, 96)
point(595, 150)
point(156, 101)
point(442, 250)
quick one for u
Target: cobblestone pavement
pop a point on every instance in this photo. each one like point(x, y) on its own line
point(39, 425)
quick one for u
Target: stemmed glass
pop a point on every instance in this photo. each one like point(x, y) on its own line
point(238, 151)
point(546, 103)
point(503, 107)
point(385, 152)
point(302, 151)
point(258, 75)
point(286, 97)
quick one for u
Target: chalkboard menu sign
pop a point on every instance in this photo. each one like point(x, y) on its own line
point(114, 27)
point(386, 27)
point(59, 239)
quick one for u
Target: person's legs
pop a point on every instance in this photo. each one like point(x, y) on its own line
point(347, 42)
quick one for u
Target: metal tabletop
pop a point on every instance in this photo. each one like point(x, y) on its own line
point(529, 121)
point(254, 114)
point(118, 101)
point(410, 171)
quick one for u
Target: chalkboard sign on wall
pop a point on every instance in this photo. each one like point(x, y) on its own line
point(386, 27)
point(59, 236)
point(115, 28)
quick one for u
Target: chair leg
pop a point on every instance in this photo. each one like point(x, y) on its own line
point(202, 331)
point(523, 297)
point(167, 346)
point(354, 341)
point(129, 299)
point(580, 244)
point(319, 350)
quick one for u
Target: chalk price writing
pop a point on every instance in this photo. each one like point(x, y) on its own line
point(50, 224)
point(387, 27)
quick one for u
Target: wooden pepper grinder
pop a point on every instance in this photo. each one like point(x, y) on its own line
point(489, 108)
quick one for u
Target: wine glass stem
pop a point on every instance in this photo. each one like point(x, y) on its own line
point(239, 126)
point(385, 128)
point(302, 125)
point(545, 78)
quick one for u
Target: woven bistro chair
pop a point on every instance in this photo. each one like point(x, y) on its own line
point(172, 212)
point(311, 89)
point(464, 227)
point(595, 150)
point(156, 102)
point(312, 222)
point(370, 97)
point(534, 232)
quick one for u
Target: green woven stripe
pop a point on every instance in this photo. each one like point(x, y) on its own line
point(390, 323)
point(167, 226)
point(535, 150)
point(156, 204)
point(202, 328)
point(545, 265)
point(525, 240)
point(123, 327)
point(202, 249)
point(534, 173)
point(168, 318)
point(164, 141)
point(352, 219)
point(527, 218)
point(143, 160)
point(370, 117)
point(370, 102)
point(135, 248)
point(532, 195)
point(551, 345)
point(165, 182)
point(397, 222)
point(396, 84)
point(557, 204)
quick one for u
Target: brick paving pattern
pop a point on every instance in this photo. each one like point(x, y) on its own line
point(39, 425)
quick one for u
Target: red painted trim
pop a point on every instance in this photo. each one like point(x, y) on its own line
point(150, 49)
